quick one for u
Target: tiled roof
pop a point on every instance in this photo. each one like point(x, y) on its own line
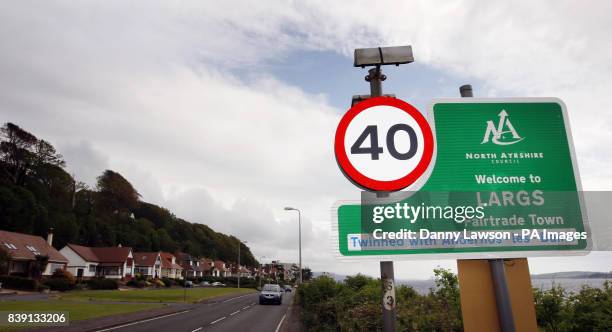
point(219, 266)
point(102, 254)
point(145, 258)
point(166, 259)
point(25, 246)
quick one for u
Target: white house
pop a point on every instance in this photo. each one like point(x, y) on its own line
point(148, 264)
point(107, 262)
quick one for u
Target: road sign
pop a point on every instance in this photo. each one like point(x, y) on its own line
point(384, 144)
point(509, 162)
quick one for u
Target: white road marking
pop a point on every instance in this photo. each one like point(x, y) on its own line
point(235, 312)
point(142, 321)
point(196, 330)
point(280, 323)
point(244, 308)
point(237, 297)
point(218, 320)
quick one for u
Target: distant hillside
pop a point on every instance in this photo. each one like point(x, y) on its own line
point(573, 275)
point(36, 194)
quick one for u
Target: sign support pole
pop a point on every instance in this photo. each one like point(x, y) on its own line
point(498, 271)
point(387, 275)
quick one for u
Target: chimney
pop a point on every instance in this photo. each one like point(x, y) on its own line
point(50, 237)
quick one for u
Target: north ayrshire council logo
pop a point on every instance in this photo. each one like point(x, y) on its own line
point(502, 134)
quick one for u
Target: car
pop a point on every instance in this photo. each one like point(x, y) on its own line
point(204, 284)
point(271, 293)
point(218, 284)
point(188, 284)
point(287, 288)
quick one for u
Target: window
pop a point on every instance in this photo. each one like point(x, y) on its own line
point(55, 267)
point(32, 248)
point(10, 245)
point(92, 268)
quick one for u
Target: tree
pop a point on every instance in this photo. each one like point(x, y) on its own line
point(16, 150)
point(116, 194)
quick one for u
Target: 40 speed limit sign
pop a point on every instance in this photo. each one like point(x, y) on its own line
point(384, 144)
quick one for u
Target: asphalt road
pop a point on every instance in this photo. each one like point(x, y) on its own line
point(242, 313)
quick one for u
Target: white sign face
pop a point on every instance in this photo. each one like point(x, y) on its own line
point(384, 144)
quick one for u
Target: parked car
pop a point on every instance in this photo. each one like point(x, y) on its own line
point(188, 284)
point(205, 284)
point(287, 288)
point(218, 284)
point(271, 294)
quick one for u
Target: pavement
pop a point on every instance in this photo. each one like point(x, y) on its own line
point(228, 313)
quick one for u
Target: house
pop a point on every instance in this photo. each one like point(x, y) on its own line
point(191, 265)
point(241, 271)
point(108, 262)
point(208, 267)
point(223, 271)
point(24, 250)
point(148, 264)
point(169, 267)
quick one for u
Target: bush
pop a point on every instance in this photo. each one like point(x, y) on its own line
point(102, 283)
point(61, 280)
point(168, 282)
point(58, 284)
point(136, 283)
point(21, 283)
point(158, 283)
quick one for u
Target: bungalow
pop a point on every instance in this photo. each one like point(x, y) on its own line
point(108, 262)
point(208, 267)
point(223, 271)
point(24, 251)
point(147, 264)
point(191, 265)
point(169, 268)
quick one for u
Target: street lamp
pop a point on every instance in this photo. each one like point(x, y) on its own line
point(260, 269)
point(288, 208)
point(239, 245)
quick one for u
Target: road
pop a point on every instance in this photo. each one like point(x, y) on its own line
point(242, 313)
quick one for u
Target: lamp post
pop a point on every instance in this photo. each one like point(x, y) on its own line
point(238, 269)
point(288, 208)
point(260, 269)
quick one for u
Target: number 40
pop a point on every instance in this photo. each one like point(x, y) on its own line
point(374, 150)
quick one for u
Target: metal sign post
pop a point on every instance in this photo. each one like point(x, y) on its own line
point(498, 273)
point(387, 277)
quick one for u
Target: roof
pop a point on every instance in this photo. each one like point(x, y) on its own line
point(19, 243)
point(207, 264)
point(102, 254)
point(219, 266)
point(166, 259)
point(145, 258)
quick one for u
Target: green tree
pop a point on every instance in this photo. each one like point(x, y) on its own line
point(115, 193)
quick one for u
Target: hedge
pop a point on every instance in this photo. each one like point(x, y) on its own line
point(21, 283)
point(102, 283)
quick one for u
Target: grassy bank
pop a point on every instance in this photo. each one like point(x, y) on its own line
point(77, 310)
point(153, 295)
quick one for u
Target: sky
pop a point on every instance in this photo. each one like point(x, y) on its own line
point(225, 112)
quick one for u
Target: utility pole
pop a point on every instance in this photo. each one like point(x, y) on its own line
point(498, 271)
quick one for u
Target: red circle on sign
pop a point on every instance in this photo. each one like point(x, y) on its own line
point(377, 185)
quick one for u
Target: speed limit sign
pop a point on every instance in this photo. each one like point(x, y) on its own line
point(384, 144)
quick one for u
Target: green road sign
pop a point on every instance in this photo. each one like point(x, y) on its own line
point(504, 183)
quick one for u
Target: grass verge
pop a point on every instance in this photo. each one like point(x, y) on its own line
point(153, 295)
point(77, 310)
